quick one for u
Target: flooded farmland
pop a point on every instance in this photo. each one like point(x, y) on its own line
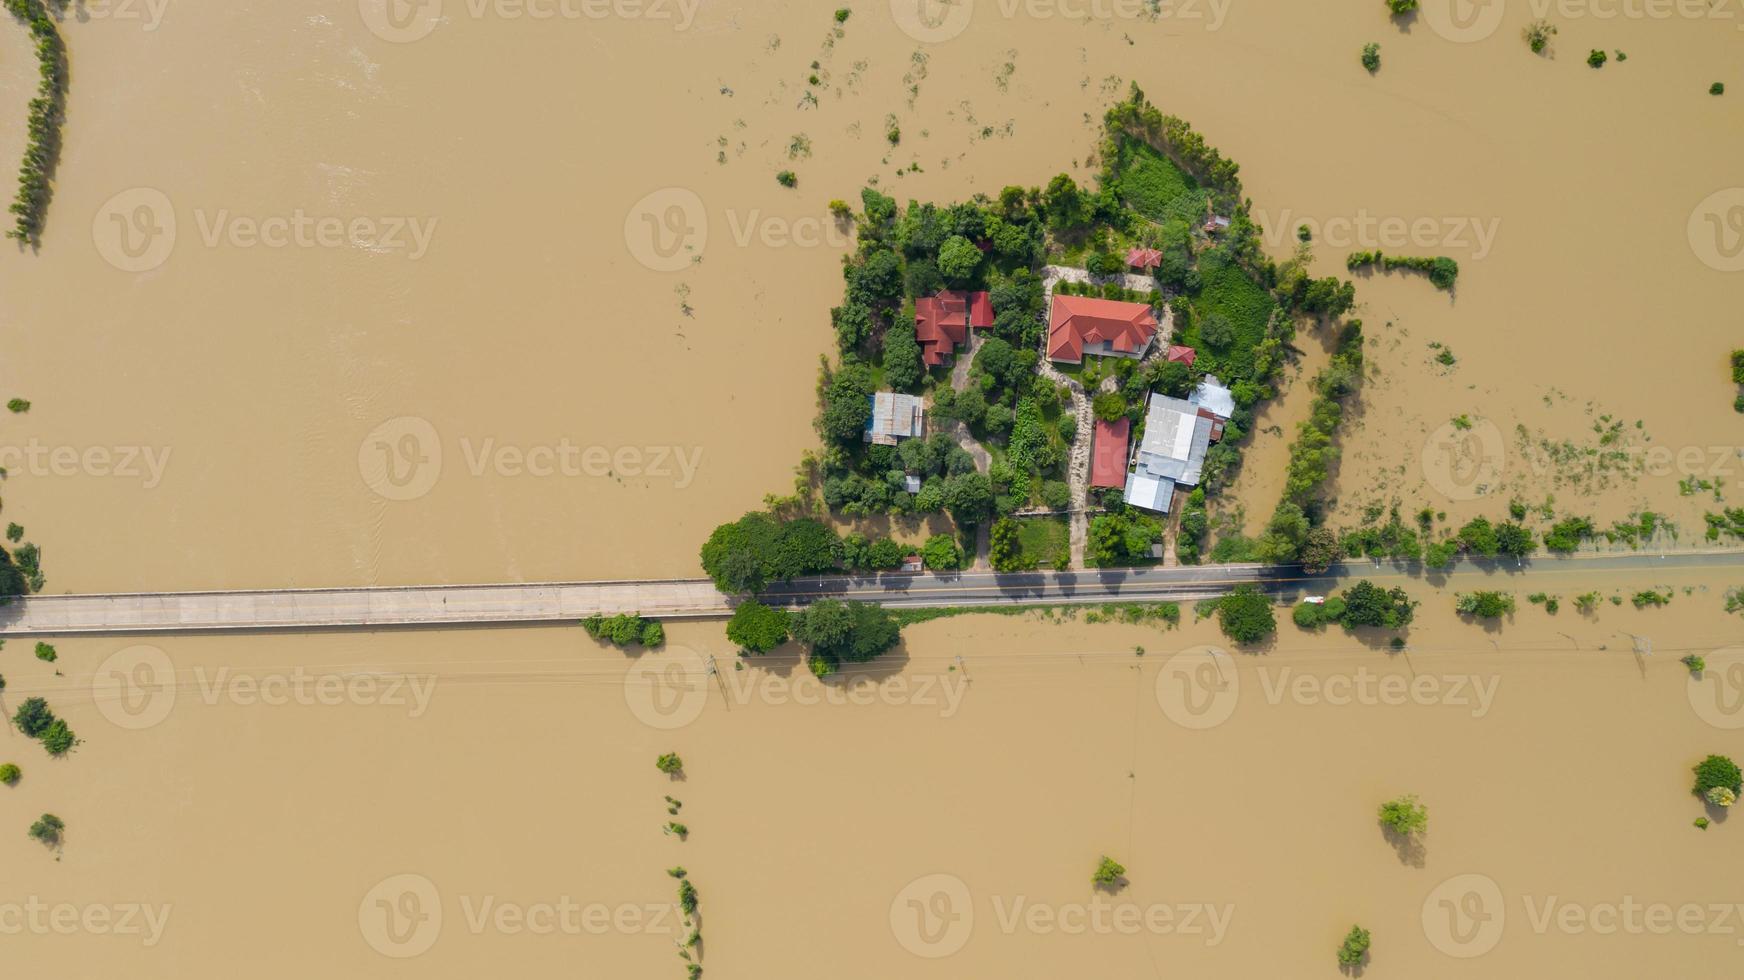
point(332, 294)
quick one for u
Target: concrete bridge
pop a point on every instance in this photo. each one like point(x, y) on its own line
point(531, 603)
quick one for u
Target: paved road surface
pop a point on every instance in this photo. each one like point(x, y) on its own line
point(462, 605)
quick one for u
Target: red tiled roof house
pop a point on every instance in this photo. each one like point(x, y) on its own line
point(942, 322)
point(1108, 453)
point(1080, 325)
point(1143, 258)
point(1185, 355)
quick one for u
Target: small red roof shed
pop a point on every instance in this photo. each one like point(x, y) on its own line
point(1108, 453)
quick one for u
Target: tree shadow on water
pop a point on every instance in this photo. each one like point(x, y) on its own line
point(1413, 851)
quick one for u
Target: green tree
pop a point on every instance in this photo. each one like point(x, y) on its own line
point(1479, 537)
point(669, 763)
point(33, 717)
point(49, 829)
point(1514, 540)
point(902, 364)
point(1484, 604)
point(969, 497)
point(853, 323)
point(1405, 816)
point(1320, 548)
point(958, 260)
point(1367, 604)
point(838, 631)
point(1109, 873)
point(1217, 332)
point(758, 628)
point(1109, 406)
point(1245, 615)
point(1717, 771)
point(9, 774)
point(942, 553)
point(1356, 942)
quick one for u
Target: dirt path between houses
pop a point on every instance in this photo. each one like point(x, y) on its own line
point(972, 446)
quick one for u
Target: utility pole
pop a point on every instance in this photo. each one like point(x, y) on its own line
point(714, 672)
point(963, 667)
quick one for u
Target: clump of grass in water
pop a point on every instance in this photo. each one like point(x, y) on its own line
point(1538, 35)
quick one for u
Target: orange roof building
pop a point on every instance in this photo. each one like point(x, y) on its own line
point(1144, 258)
point(942, 322)
point(1080, 325)
point(1108, 453)
point(1185, 355)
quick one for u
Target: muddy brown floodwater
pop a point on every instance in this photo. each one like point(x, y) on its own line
point(331, 298)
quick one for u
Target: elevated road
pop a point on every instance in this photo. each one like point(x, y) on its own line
point(509, 604)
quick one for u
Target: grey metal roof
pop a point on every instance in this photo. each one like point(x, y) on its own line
point(1172, 452)
point(1212, 396)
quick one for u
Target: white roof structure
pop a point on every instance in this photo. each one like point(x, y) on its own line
point(1212, 396)
point(895, 416)
point(1172, 454)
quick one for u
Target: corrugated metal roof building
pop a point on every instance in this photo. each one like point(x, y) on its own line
point(1171, 454)
point(895, 416)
